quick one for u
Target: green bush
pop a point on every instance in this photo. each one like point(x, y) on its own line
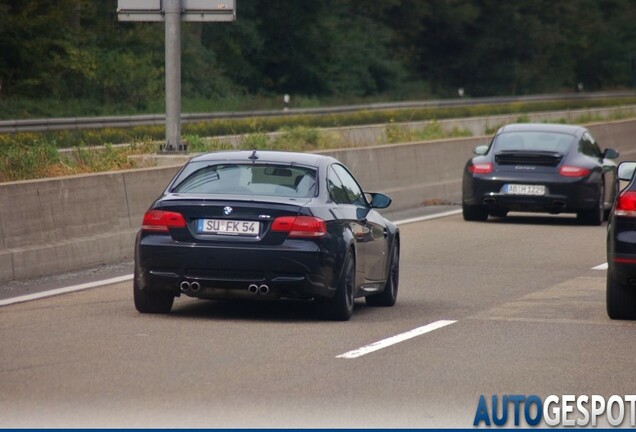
point(396, 133)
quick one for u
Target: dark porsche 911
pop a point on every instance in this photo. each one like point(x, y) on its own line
point(266, 225)
point(549, 168)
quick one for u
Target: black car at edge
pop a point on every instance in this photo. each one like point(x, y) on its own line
point(621, 249)
point(550, 168)
point(266, 225)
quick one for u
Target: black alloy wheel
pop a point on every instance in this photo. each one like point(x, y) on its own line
point(478, 213)
point(594, 216)
point(608, 210)
point(388, 296)
point(151, 302)
point(500, 213)
point(340, 307)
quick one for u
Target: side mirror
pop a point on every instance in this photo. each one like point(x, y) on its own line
point(481, 150)
point(380, 201)
point(626, 170)
point(610, 154)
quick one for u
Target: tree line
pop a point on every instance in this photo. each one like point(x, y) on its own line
point(77, 49)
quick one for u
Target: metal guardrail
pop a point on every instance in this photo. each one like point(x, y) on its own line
point(70, 123)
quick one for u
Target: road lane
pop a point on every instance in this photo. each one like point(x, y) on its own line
point(530, 319)
point(25, 290)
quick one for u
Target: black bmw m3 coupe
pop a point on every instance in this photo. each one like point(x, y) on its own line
point(551, 168)
point(267, 225)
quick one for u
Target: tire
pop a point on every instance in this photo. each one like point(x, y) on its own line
point(388, 296)
point(340, 306)
point(596, 215)
point(607, 211)
point(151, 302)
point(621, 300)
point(499, 213)
point(475, 213)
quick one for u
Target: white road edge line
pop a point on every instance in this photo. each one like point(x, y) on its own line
point(65, 290)
point(395, 339)
point(600, 267)
point(128, 277)
point(429, 217)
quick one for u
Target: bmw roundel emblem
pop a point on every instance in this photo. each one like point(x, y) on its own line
point(227, 210)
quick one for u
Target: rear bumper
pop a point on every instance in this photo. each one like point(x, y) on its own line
point(561, 197)
point(294, 269)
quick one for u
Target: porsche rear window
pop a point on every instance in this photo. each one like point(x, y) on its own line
point(534, 141)
point(246, 179)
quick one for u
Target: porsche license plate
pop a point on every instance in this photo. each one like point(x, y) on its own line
point(521, 189)
point(228, 227)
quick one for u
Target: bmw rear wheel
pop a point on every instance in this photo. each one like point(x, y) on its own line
point(388, 297)
point(340, 307)
point(151, 301)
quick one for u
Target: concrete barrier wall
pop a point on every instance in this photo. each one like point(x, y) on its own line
point(411, 173)
point(63, 224)
point(478, 126)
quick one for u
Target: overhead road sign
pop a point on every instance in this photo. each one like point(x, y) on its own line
point(172, 12)
point(191, 10)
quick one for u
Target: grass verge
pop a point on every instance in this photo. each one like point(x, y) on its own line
point(35, 155)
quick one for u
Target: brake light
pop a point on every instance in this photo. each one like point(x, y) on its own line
point(626, 204)
point(573, 171)
point(300, 226)
point(162, 221)
point(625, 260)
point(480, 168)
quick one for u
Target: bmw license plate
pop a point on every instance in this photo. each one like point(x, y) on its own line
point(228, 227)
point(521, 189)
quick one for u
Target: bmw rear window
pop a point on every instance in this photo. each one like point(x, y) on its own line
point(534, 141)
point(246, 179)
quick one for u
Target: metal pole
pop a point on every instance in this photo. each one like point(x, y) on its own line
point(172, 9)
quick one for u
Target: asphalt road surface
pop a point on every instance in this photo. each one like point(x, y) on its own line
point(519, 307)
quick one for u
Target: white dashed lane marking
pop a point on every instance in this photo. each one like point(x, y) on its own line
point(384, 343)
point(65, 290)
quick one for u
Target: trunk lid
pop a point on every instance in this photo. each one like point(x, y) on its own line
point(217, 219)
point(527, 161)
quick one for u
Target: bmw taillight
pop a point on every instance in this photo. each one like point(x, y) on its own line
point(573, 171)
point(626, 204)
point(481, 168)
point(162, 221)
point(300, 226)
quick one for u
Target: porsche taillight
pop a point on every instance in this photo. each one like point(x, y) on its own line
point(480, 168)
point(626, 204)
point(573, 171)
point(300, 226)
point(162, 221)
